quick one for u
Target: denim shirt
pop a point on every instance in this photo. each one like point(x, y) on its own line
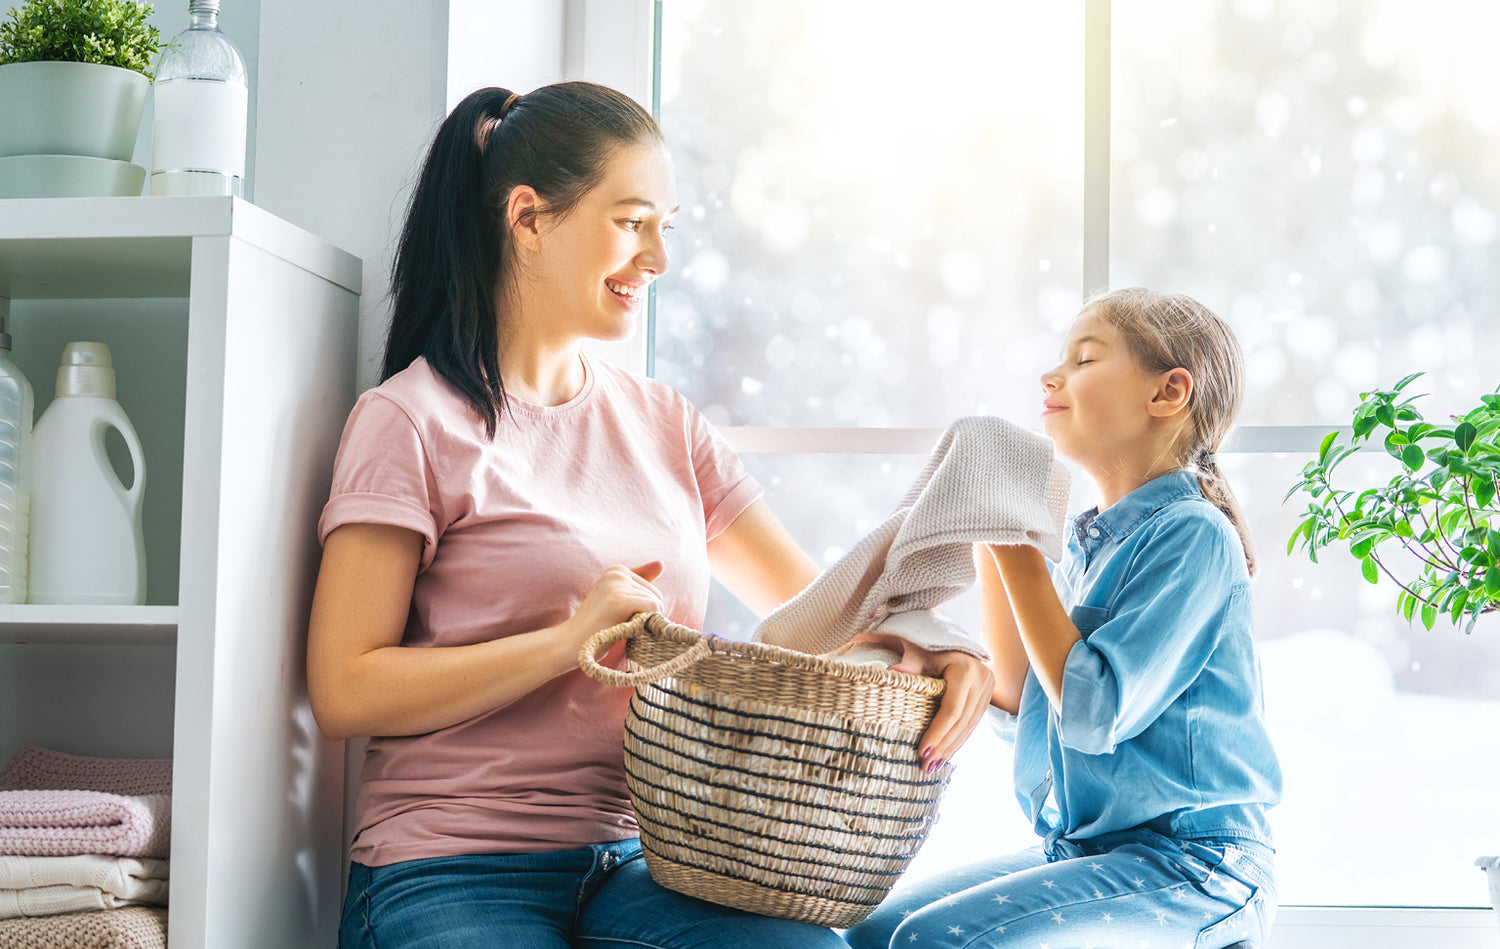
point(1162, 721)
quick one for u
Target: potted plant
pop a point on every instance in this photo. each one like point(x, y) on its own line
point(73, 81)
point(1438, 514)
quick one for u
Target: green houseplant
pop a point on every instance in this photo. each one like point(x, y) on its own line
point(106, 32)
point(1437, 514)
point(73, 81)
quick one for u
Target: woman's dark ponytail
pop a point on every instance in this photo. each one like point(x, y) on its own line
point(455, 252)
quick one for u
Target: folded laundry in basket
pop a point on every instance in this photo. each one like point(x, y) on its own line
point(987, 481)
point(133, 927)
point(127, 878)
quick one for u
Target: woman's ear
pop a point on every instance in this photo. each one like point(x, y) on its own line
point(1173, 389)
point(522, 215)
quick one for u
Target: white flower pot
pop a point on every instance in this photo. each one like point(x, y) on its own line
point(1491, 866)
point(70, 109)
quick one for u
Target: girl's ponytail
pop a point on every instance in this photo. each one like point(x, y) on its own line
point(1216, 489)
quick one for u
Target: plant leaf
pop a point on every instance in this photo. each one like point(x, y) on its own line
point(1464, 434)
point(1429, 615)
point(1369, 569)
point(1413, 457)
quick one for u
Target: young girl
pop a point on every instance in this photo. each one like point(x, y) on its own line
point(496, 500)
point(1127, 679)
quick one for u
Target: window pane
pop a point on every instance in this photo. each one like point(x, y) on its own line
point(1323, 174)
point(881, 212)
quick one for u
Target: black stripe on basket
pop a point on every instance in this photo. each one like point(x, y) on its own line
point(643, 699)
point(646, 844)
point(728, 768)
point(745, 841)
point(767, 716)
point(636, 776)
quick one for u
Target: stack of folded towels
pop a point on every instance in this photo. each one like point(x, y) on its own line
point(84, 843)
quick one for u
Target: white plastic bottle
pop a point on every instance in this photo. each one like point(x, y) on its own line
point(86, 540)
point(16, 408)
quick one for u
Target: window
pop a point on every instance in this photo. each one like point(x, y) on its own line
point(883, 227)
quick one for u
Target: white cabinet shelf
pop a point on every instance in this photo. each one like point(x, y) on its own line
point(88, 625)
point(234, 340)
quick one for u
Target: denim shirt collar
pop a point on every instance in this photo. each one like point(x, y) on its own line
point(1091, 529)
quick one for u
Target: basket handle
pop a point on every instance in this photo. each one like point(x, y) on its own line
point(701, 649)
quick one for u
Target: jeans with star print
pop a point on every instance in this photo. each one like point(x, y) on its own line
point(1135, 889)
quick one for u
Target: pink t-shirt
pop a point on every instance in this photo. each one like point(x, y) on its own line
point(517, 530)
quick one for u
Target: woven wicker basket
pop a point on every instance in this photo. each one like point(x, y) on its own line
point(771, 780)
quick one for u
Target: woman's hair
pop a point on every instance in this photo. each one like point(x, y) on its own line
point(456, 249)
point(1167, 331)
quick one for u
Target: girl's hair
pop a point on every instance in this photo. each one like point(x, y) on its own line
point(1167, 331)
point(456, 250)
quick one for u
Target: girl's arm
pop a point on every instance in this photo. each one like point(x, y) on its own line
point(1046, 631)
point(757, 560)
point(1002, 636)
point(362, 681)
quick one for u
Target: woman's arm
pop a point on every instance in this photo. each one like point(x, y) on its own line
point(1001, 634)
point(757, 560)
point(1046, 631)
point(362, 681)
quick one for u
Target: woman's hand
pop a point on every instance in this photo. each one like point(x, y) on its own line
point(618, 594)
point(969, 682)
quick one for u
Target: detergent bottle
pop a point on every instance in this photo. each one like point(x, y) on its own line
point(86, 540)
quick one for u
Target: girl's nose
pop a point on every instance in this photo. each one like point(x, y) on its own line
point(1049, 379)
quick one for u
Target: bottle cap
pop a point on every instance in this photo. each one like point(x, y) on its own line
point(86, 371)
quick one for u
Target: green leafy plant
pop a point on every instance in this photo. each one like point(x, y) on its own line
point(107, 32)
point(1439, 511)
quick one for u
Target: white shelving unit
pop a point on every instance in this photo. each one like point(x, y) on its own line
point(233, 334)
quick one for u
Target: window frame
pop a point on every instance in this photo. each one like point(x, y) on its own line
point(593, 50)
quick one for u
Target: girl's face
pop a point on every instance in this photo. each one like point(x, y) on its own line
point(596, 263)
point(1095, 401)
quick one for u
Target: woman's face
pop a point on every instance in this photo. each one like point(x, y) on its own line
point(595, 264)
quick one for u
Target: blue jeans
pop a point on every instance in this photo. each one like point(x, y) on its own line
point(1135, 888)
point(595, 897)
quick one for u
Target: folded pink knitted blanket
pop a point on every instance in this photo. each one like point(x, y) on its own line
point(133, 927)
point(56, 805)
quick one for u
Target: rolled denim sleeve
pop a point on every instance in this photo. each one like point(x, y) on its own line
point(1155, 637)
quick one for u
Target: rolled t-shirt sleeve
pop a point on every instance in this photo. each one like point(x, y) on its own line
point(726, 487)
point(1139, 655)
point(382, 475)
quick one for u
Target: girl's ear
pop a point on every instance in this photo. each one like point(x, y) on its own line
point(1173, 389)
point(522, 215)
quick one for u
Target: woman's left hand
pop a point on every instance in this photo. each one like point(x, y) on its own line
point(970, 684)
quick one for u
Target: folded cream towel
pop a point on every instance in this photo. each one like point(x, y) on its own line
point(129, 878)
point(132, 927)
point(987, 481)
point(57, 900)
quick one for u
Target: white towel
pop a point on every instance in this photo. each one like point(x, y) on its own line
point(61, 899)
point(987, 481)
point(129, 878)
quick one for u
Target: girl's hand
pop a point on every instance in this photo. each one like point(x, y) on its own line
point(615, 597)
point(970, 684)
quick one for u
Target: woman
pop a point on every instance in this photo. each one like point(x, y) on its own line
point(497, 499)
